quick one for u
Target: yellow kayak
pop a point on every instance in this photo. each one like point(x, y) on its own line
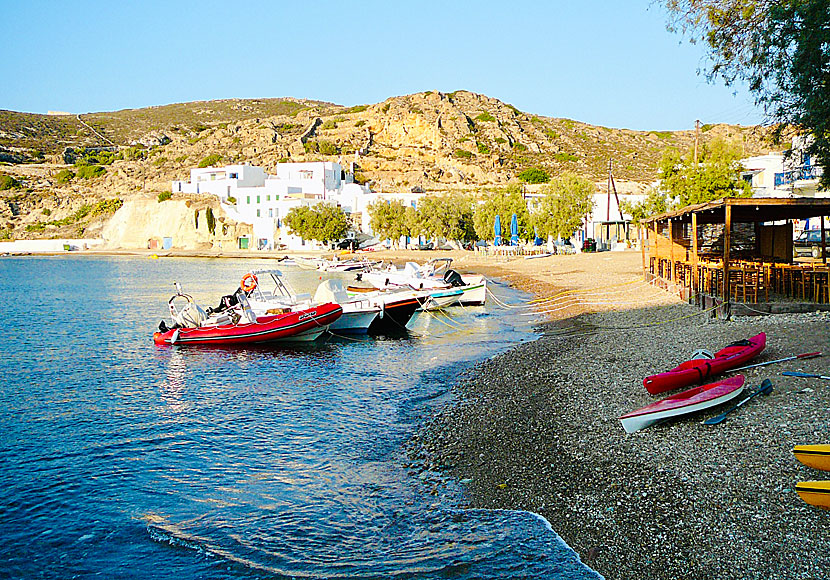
point(815, 493)
point(815, 456)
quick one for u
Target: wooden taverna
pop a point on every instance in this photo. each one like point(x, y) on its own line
point(735, 256)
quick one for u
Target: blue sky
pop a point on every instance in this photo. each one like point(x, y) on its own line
point(606, 63)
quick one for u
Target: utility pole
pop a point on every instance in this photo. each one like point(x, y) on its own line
point(697, 140)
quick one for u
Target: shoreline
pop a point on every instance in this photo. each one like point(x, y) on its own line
point(536, 429)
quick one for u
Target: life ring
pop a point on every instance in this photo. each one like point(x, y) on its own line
point(249, 282)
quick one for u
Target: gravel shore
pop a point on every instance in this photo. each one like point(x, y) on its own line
point(536, 429)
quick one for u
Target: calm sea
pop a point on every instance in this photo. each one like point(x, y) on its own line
point(122, 459)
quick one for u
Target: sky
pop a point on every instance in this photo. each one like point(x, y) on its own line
point(609, 63)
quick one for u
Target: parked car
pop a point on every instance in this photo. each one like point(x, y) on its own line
point(345, 244)
point(808, 243)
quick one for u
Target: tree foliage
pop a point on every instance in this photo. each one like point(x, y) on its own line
point(391, 219)
point(779, 47)
point(566, 202)
point(211, 220)
point(534, 175)
point(503, 203)
point(446, 216)
point(718, 174)
point(655, 203)
point(323, 222)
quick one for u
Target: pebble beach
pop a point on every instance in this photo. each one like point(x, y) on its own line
point(536, 429)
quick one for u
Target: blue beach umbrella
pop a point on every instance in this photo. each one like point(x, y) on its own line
point(537, 241)
point(497, 229)
point(514, 230)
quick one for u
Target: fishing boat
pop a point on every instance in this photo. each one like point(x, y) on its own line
point(433, 275)
point(239, 324)
point(268, 292)
point(690, 401)
point(815, 493)
point(698, 369)
point(815, 456)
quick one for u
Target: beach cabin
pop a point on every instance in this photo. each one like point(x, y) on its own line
point(736, 256)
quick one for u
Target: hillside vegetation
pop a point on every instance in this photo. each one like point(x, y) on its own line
point(434, 141)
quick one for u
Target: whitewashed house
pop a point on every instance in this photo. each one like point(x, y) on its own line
point(249, 195)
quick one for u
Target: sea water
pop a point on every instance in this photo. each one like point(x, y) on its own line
point(119, 458)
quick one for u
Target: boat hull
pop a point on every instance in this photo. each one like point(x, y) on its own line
point(815, 493)
point(357, 322)
point(695, 371)
point(474, 292)
point(395, 314)
point(815, 456)
point(691, 401)
point(299, 326)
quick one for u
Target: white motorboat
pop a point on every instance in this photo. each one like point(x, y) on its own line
point(434, 275)
point(334, 265)
point(270, 293)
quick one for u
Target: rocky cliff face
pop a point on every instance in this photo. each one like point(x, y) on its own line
point(434, 141)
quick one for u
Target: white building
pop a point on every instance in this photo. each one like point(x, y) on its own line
point(790, 174)
point(249, 195)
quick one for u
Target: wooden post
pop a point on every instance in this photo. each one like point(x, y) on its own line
point(727, 241)
point(671, 249)
point(823, 242)
point(694, 284)
point(643, 230)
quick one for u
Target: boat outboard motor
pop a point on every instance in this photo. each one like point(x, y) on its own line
point(453, 278)
point(191, 316)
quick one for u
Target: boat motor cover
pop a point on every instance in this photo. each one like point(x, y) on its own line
point(191, 316)
point(331, 291)
point(453, 278)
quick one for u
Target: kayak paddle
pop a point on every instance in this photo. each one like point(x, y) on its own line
point(806, 375)
point(764, 389)
point(769, 362)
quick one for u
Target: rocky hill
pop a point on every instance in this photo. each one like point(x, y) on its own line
point(434, 141)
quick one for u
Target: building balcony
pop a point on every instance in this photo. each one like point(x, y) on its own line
point(803, 173)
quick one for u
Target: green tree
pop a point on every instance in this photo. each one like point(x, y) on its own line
point(323, 222)
point(503, 203)
point(566, 202)
point(655, 203)
point(780, 48)
point(392, 219)
point(211, 220)
point(447, 216)
point(534, 175)
point(717, 175)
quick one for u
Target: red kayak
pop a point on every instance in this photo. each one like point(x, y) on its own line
point(697, 370)
point(695, 399)
point(300, 325)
